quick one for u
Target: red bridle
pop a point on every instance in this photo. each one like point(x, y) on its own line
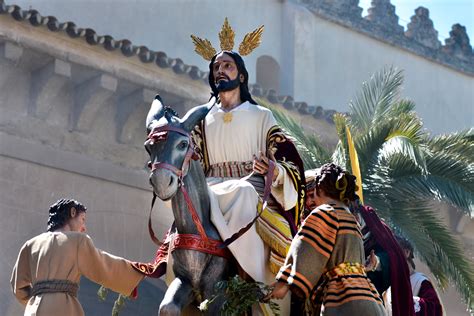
point(157, 135)
point(184, 241)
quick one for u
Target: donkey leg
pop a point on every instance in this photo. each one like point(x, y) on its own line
point(178, 295)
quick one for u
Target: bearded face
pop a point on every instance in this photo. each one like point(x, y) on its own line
point(225, 72)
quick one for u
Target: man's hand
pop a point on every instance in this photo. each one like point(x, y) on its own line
point(279, 291)
point(371, 262)
point(260, 165)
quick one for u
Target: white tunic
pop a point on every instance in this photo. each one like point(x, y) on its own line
point(234, 201)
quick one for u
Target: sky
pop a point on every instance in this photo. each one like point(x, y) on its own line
point(443, 13)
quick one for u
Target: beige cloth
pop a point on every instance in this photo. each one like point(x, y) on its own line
point(66, 256)
point(234, 201)
point(242, 138)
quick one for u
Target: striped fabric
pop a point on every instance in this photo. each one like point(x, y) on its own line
point(232, 169)
point(325, 264)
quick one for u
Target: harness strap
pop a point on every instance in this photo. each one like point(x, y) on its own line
point(194, 214)
point(195, 242)
point(150, 228)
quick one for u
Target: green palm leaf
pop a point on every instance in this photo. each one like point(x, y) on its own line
point(460, 145)
point(434, 243)
point(405, 172)
point(375, 99)
point(312, 152)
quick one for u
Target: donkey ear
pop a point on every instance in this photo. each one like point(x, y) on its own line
point(197, 114)
point(157, 110)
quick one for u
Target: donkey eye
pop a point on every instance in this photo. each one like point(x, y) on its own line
point(183, 145)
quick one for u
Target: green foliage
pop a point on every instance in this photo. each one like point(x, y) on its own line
point(312, 152)
point(239, 297)
point(118, 304)
point(407, 174)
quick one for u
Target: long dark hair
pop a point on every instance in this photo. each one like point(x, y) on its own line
point(239, 62)
point(337, 183)
point(406, 245)
point(60, 213)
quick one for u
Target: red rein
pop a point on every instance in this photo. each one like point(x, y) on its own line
point(202, 242)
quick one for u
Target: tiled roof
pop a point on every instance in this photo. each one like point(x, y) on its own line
point(149, 56)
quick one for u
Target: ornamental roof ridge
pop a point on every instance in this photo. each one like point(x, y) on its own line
point(146, 55)
point(382, 24)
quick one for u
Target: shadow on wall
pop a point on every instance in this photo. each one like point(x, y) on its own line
point(268, 73)
point(147, 303)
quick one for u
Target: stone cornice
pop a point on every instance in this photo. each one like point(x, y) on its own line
point(152, 60)
point(382, 24)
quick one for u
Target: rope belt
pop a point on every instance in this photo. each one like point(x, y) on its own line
point(55, 286)
point(232, 169)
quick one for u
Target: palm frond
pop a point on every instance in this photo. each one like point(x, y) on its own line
point(402, 133)
point(375, 99)
point(341, 154)
point(312, 152)
point(460, 145)
point(414, 217)
point(404, 146)
point(401, 107)
point(435, 245)
point(446, 179)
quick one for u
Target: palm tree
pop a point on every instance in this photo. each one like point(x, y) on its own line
point(406, 174)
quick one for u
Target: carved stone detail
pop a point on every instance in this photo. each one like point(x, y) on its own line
point(131, 114)
point(382, 13)
point(11, 52)
point(46, 84)
point(458, 43)
point(421, 29)
point(88, 98)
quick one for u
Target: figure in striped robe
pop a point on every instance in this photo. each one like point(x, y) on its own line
point(325, 263)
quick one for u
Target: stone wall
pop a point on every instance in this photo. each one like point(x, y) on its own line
point(72, 125)
point(324, 49)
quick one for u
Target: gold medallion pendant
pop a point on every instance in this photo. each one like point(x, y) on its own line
point(228, 117)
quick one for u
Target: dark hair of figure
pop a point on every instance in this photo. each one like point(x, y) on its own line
point(244, 88)
point(60, 213)
point(337, 183)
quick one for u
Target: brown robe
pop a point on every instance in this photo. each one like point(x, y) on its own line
point(66, 256)
point(325, 264)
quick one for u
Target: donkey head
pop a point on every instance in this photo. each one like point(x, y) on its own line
point(170, 146)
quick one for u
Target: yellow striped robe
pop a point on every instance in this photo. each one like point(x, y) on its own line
point(325, 264)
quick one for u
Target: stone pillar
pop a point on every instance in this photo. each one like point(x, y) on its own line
point(421, 29)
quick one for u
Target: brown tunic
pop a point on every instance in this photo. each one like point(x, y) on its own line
point(66, 256)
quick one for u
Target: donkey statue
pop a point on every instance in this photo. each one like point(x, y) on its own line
point(199, 261)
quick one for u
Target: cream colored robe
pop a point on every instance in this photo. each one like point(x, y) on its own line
point(66, 256)
point(234, 201)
